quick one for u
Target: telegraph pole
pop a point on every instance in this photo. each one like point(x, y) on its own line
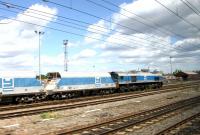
point(65, 42)
point(39, 35)
point(171, 63)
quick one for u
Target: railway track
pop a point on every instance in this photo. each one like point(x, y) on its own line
point(180, 83)
point(16, 111)
point(127, 94)
point(52, 102)
point(172, 129)
point(19, 112)
point(129, 121)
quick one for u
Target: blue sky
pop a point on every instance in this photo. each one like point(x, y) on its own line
point(78, 4)
point(124, 49)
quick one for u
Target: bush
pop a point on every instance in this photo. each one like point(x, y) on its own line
point(42, 77)
point(179, 73)
point(49, 115)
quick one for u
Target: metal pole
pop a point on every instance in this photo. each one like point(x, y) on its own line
point(171, 63)
point(39, 59)
point(65, 42)
point(39, 34)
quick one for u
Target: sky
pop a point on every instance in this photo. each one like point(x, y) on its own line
point(103, 35)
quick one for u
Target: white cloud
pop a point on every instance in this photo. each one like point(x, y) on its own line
point(125, 48)
point(155, 13)
point(128, 49)
point(154, 45)
point(78, 62)
point(18, 40)
point(96, 31)
point(87, 53)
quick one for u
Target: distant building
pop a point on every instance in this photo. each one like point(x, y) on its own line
point(169, 77)
point(144, 70)
point(192, 75)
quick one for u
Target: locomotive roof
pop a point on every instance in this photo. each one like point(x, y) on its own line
point(137, 74)
point(85, 74)
point(19, 74)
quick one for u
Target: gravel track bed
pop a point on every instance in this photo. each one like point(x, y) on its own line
point(189, 128)
point(86, 115)
point(71, 102)
point(163, 124)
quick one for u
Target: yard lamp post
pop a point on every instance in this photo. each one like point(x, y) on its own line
point(171, 63)
point(39, 35)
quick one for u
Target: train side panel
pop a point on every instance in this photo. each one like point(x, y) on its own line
point(84, 81)
point(27, 85)
point(132, 80)
point(19, 82)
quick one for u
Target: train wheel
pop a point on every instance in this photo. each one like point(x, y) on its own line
point(123, 89)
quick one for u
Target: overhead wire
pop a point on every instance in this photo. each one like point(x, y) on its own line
point(23, 8)
point(190, 7)
point(153, 27)
point(105, 35)
point(141, 17)
point(95, 16)
point(65, 31)
point(108, 2)
point(68, 32)
point(134, 19)
point(114, 43)
point(74, 26)
point(193, 6)
point(177, 15)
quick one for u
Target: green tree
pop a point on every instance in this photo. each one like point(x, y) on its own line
point(42, 77)
point(197, 71)
point(179, 73)
point(176, 72)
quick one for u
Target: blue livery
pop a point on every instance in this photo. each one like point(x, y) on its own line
point(23, 86)
point(17, 82)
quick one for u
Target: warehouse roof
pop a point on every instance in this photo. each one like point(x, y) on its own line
point(190, 73)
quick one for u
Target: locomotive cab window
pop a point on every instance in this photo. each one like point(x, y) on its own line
point(133, 78)
point(114, 76)
point(53, 75)
point(156, 78)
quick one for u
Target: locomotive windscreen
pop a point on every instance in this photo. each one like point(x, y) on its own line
point(53, 75)
point(114, 76)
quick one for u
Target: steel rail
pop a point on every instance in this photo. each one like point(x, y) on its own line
point(130, 119)
point(76, 105)
point(67, 101)
point(19, 113)
point(165, 131)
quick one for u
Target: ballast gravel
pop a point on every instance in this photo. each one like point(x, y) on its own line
point(36, 124)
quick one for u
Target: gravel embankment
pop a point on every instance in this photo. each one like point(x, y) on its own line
point(163, 124)
point(86, 115)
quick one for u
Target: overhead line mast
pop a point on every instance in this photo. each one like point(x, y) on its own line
point(65, 42)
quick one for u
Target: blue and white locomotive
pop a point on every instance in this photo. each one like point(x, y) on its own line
point(19, 85)
point(126, 81)
point(23, 86)
point(68, 84)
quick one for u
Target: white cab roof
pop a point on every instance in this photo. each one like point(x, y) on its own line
point(17, 74)
point(85, 74)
